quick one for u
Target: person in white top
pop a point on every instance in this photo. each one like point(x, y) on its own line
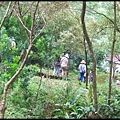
point(13, 43)
point(64, 65)
point(12, 48)
point(82, 70)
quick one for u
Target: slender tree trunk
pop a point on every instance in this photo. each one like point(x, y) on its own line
point(12, 79)
point(92, 54)
point(112, 53)
point(34, 12)
point(3, 101)
point(86, 78)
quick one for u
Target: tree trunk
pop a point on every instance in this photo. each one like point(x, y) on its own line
point(86, 78)
point(112, 53)
point(92, 55)
point(3, 101)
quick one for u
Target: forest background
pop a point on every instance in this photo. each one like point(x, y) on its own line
point(42, 32)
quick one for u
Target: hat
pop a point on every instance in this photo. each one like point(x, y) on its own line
point(66, 55)
point(83, 62)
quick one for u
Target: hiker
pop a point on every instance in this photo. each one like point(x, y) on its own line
point(13, 43)
point(12, 48)
point(81, 70)
point(57, 67)
point(64, 65)
point(90, 76)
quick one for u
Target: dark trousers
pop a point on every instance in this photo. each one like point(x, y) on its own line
point(81, 77)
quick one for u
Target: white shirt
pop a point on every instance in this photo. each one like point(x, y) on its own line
point(64, 62)
point(82, 67)
point(13, 44)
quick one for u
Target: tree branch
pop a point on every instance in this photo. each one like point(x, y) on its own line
point(5, 14)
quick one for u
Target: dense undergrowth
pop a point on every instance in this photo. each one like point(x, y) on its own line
point(44, 98)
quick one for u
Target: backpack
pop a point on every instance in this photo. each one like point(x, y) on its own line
point(57, 63)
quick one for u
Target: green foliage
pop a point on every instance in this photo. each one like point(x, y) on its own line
point(41, 46)
point(63, 33)
point(21, 102)
point(3, 79)
point(104, 109)
point(27, 21)
point(73, 104)
point(115, 104)
point(58, 98)
point(102, 78)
